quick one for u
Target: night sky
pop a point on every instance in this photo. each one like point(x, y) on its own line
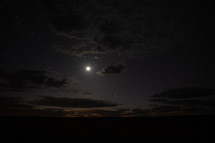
point(146, 58)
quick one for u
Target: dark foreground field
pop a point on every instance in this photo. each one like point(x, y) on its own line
point(148, 129)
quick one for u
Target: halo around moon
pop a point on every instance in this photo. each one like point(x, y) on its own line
point(88, 68)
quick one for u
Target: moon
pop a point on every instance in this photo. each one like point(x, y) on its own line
point(88, 68)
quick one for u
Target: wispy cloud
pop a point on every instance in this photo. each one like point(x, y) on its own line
point(190, 100)
point(72, 102)
point(99, 27)
point(188, 92)
point(26, 79)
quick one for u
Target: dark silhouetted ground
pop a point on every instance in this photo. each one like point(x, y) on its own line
point(147, 129)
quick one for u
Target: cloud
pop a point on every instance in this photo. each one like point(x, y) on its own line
point(188, 92)
point(190, 100)
point(79, 107)
point(87, 93)
point(158, 100)
point(16, 106)
point(25, 79)
point(111, 70)
point(97, 113)
point(165, 109)
point(97, 27)
point(13, 102)
point(108, 113)
point(141, 112)
point(61, 107)
point(194, 102)
point(72, 102)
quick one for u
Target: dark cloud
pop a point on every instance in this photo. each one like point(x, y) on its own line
point(109, 113)
point(200, 106)
point(88, 93)
point(133, 28)
point(51, 106)
point(25, 79)
point(141, 112)
point(166, 109)
point(194, 102)
point(16, 106)
point(72, 102)
point(158, 100)
point(157, 110)
point(188, 92)
point(190, 100)
point(13, 102)
point(32, 112)
point(111, 70)
point(102, 113)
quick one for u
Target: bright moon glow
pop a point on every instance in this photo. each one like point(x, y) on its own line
point(88, 68)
